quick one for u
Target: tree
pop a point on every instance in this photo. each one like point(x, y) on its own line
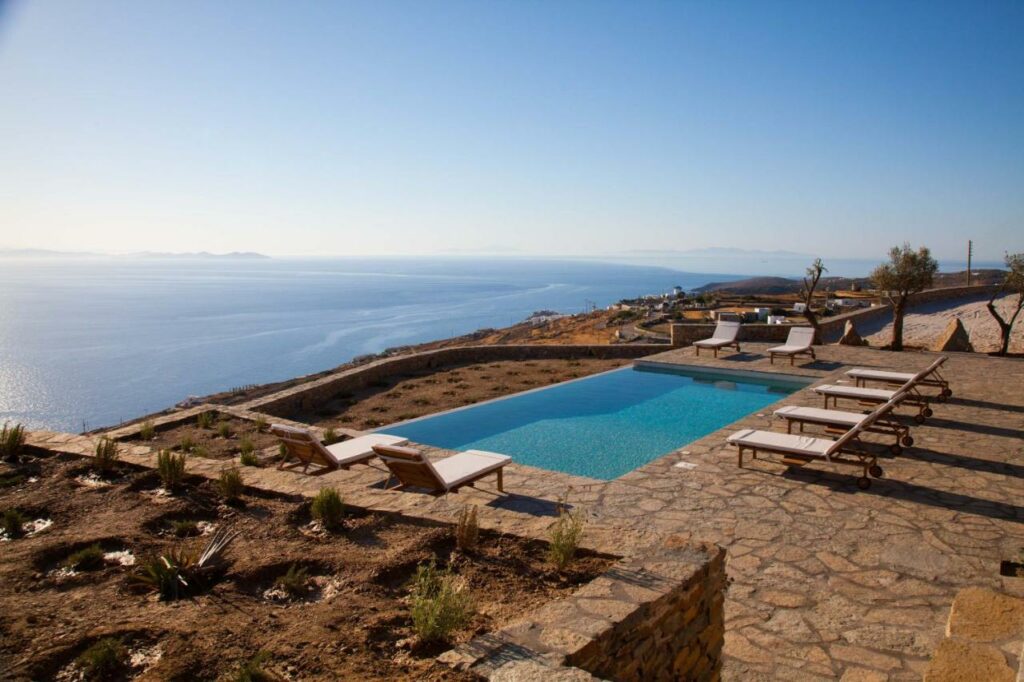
point(906, 273)
point(1013, 283)
point(810, 284)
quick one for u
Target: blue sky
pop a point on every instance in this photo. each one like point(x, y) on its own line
point(570, 128)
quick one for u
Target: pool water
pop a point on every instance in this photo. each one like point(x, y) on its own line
point(605, 425)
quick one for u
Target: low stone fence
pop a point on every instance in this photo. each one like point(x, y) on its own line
point(318, 391)
point(831, 327)
point(658, 616)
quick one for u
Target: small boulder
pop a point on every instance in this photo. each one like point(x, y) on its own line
point(955, 338)
point(851, 337)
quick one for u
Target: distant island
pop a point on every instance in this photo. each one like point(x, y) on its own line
point(197, 255)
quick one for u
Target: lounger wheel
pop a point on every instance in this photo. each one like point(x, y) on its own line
point(927, 412)
point(895, 449)
point(875, 471)
point(919, 418)
point(907, 441)
point(941, 397)
point(864, 483)
point(947, 392)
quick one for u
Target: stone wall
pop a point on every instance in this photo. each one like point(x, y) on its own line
point(831, 327)
point(319, 391)
point(658, 616)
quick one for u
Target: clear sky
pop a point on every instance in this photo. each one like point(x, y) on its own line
point(547, 127)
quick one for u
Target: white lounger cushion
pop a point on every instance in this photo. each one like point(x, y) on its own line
point(466, 465)
point(799, 339)
point(782, 442)
point(819, 416)
point(856, 392)
point(361, 447)
point(725, 334)
point(880, 374)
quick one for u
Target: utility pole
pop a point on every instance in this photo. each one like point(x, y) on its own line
point(970, 251)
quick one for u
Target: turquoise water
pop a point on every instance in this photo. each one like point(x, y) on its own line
point(602, 426)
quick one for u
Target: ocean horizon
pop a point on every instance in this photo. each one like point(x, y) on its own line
point(88, 343)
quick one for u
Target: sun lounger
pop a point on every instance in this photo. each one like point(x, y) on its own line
point(303, 445)
point(799, 342)
point(908, 393)
point(726, 333)
point(862, 375)
point(798, 450)
point(839, 421)
point(412, 468)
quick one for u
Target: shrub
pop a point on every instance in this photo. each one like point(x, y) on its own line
point(184, 528)
point(171, 468)
point(467, 530)
point(104, 660)
point(330, 436)
point(12, 440)
point(182, 571)
point(294, 582)
point(565, 535)
point(186, 444)
point(86, 559)
point(14, 523)
point(231, 484)
point(282, 450)
point(248, 457)
point(246, 446)
point(441, 603)
point(224, 430)
point(328, 508)
point(106, 455)
point(9, 479)
point(200, 451)
point(261, 424)
point(147, 431)
point(252, 670)
point(204, 420)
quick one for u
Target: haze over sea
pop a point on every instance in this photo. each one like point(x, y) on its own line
point(88, 343)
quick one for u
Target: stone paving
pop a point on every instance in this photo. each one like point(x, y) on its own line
point(828, 581)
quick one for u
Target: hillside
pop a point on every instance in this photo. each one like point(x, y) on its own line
point(783, 285)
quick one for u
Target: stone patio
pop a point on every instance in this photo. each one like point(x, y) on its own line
point(828, 581)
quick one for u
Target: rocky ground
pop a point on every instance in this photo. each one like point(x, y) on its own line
point(350, 621)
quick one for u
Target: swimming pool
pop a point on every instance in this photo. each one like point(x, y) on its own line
point(605, 425)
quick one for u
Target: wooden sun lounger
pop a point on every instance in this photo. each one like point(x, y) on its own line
point(798, 450)
point(836, 422)
point(414, 470)
point(908, 393)
point(799, 342)
point(303, 446)
point(933, 377)
point(726, 334)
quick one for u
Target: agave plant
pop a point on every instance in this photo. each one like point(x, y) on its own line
point(181, 571)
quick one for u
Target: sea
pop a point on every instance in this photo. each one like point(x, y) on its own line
point(89, 343)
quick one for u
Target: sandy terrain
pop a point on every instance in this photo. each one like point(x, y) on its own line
point(925, 323)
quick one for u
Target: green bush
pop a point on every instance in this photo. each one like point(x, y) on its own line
point(252, 670)
point(147, 431)
point(204, 420)
point(200, 451)
point(106, 455)
point(86, 559)
point(248, 454)
point(231, 484)
point(295, 582)
point(186, 444)
point(169, 574)
point(12, 440)
point(261, 424)
point(171, 468)
point(328, 508)
point(224, 430)
point(565, 536)
point(441, 603)
point(104, 660)
point(246, 446)
point(14, 523)
point(330, 436)
point(467, 530)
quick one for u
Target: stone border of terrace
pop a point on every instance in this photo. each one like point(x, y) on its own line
point(657, 614)
point(306, 395)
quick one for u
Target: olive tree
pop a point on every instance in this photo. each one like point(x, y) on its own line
point(906, 272)
point(1013, 283)
point(810, 284)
